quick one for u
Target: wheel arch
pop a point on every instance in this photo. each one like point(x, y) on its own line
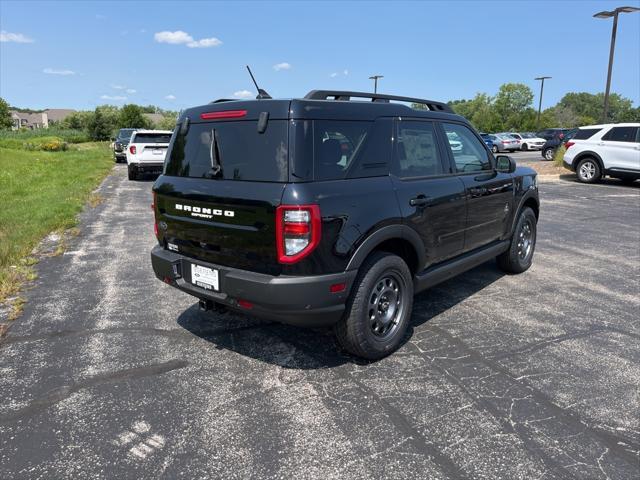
point(400, 240)
point(587, 154)
point(530, 200)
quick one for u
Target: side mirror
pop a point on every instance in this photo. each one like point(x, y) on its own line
point(505, 164)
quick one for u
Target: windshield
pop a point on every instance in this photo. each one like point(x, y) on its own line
point(125, 134)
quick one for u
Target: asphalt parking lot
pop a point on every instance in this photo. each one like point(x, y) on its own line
point(111, 374)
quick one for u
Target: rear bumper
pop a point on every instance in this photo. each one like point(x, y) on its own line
point(295, 300)
point(147, 167)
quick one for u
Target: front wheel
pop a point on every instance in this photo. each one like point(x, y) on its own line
point(588, 171)
point(379, 308)
point(525, 147)
point(548, 153)
point(494, 149)
point(519, 256)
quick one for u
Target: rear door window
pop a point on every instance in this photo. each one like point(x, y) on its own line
point(621, 134)
point(417, 149)
point(152, 138)
point(239, 150)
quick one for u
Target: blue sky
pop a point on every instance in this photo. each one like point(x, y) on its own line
point(179, 54)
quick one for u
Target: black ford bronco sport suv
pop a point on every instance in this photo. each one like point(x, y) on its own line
point(328, 211)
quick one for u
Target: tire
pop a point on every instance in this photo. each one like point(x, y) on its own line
point(494, 149)
point(519, 256)
point(548, 153)
point(525, 147)
point(588, 170)
point(132, 174)
point(371, 328)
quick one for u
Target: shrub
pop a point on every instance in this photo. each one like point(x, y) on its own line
point(559, 155)
point(54, 146)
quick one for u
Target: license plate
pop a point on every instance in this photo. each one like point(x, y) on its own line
point(157, 151)
point(204, 277)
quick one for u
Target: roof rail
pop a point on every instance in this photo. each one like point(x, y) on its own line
point(375, 97)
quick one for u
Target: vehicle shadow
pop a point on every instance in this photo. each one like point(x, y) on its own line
point(306, 348)
point(614, 182)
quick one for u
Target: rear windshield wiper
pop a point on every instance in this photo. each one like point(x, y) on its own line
point(214, 155)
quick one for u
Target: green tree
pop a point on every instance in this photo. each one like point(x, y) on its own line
point(77, 120)
point(511, 104)
point(5, 115)
point(98, 127)
point(131, 116)
point(167, 123)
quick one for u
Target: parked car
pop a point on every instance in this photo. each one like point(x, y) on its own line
point(146, 152)
point(529, 141)
point(549, 133)
point(262, 209)
point(120, 144)
point(599, 150)
point(561, 135)
point(454, 141)
point(503, 142)
point(487, 140)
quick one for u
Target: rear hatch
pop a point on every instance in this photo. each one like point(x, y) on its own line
point(222, 182)
point(151, 147)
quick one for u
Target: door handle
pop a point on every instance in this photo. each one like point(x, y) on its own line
point(419, 201)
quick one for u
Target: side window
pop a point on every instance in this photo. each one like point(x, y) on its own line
point(336, 144)
point(621, 134)
point(469, 154)
point(417, 150)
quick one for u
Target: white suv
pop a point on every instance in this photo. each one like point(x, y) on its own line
point(146, 151)
point(599, 150)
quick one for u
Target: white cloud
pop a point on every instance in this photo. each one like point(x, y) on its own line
point(112, 97)
point(346, 72)
point(54, 71)
point(183, 38)
point(175, 38)
point(282, 66)
point(333, 75)
point(243, 94)
point(170, 97)
point(204, 43)
point(130, 91)
point(118, 87)
point(14, 37)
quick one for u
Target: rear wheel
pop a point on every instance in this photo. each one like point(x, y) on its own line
point(378, 309)
point(588, 170)
point(523, 243)
point(548, 153)
point(132, 173)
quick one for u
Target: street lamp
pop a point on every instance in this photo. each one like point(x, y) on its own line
point(540, 103)
point(375, 82)
point(614, 14)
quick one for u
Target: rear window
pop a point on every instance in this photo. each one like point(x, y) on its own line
point(242, 152)
point(585, 133)
point(152, 138)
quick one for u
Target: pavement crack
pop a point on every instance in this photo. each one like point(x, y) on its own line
point(61, 393)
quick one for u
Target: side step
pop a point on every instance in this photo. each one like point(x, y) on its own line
point(444, 271)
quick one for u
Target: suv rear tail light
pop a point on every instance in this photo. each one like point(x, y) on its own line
point(297, 231)
point(223, 114)
point(132, 149)
point(569, 144)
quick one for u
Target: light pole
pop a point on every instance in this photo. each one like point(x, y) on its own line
point(614, 14)
point(542, 79)
point(375, 82)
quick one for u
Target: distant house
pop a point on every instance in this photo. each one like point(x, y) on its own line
point(33, 121)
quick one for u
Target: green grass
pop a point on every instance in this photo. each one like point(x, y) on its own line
point(20, 136)
point(42, 192)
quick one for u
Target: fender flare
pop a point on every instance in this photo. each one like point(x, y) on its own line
point(528, 194)
point(388, 233)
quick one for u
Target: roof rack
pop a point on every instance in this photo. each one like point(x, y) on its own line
point(375, 97)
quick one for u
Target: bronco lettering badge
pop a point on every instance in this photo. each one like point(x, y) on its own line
point(203, 212)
